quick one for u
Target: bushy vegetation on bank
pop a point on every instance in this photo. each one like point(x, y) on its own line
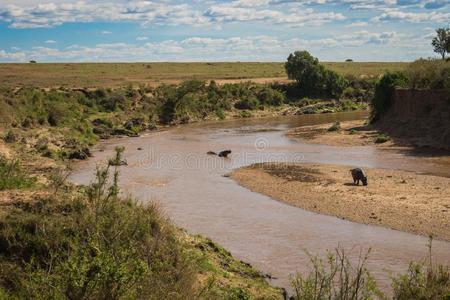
point(92, 243)
point(337, 278)
point(421, 74)
point(74, 119)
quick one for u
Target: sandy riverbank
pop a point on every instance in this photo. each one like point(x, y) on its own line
point(359, 133)
point(396, 199)
point(351, 133)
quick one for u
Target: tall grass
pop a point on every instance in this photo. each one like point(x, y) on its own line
point(12, 176)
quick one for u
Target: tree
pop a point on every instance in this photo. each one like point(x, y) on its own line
point(303, 68)
point(441, 42)
point(312, 78)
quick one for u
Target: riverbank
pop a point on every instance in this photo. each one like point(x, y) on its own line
point(400, 200)
point(348, 133)
point(360, 133)
point(36, 202)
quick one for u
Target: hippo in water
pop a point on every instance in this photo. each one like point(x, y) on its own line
point(358, 175)
point(223, 153)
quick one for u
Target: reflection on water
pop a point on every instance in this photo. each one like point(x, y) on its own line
point(174, 170)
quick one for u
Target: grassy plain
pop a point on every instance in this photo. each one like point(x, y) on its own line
point(119, 74)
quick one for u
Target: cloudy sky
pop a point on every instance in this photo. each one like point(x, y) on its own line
point(215, 30)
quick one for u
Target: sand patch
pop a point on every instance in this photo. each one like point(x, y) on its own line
point(396, 199)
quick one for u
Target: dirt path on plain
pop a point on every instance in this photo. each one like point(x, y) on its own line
point(400, 200)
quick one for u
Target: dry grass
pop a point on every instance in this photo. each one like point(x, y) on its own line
point(119, 74)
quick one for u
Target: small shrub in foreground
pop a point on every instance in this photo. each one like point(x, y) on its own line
point(423, 281)
point(336, 278)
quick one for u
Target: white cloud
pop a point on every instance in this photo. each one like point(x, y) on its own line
point(254, 48)
point(357, 24)
point(295, 16)
point(106, 32)
point(142, 38)
point(413, 17)
point(50, 42)
point(52, 14)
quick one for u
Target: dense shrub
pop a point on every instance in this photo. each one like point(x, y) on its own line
point(101, 247)
point(249, 102)
point(270, 96)
point(383, 92)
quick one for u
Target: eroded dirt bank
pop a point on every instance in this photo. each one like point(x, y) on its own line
point(397, 199)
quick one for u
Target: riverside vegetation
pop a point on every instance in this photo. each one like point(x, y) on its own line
point(64, 123)
point(60, 241)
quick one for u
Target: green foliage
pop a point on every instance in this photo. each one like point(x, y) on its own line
point(101, 247)
point(336, 279)
point(220, 114)
point(249, 103)
point(335, 127)
point(270, 96)
point(312, 78)
point(382, 138)
point(429, 74)
point(384, 89)
point(423, 281)
point(245, 114)
point(12, 176)
point(441, 42)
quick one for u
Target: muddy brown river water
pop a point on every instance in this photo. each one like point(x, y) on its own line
point(173, 170)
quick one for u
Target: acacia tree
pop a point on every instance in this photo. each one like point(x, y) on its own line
point(312, 78)
point(441, 42)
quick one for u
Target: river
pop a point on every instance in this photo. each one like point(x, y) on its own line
point(173, 170)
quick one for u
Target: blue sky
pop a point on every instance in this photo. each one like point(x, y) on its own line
point(217, 30)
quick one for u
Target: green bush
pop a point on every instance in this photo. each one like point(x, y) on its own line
point(269, 96)
point(336, 279)
point(384, 89)
point(12, 176)
point(382, 138)
point(335, 127)
point(245, 114)
point(429, 73)
point(101, 247)
point(423, 281)
point(220, 114)
point(247, 103)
